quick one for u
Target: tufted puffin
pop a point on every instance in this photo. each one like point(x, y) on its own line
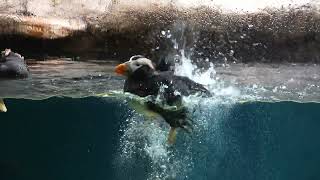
point(12, 65)
point(143, 79)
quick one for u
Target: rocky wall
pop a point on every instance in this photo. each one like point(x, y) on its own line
point(113, 29)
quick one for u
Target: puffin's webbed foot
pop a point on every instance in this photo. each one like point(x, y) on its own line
point(176, 118)
point(179, 118)
point(185, 124)
point(3, 107)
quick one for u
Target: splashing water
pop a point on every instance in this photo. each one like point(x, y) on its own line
point(183, 65)
point(207, 77)
point(146, 141)
point(185, 68)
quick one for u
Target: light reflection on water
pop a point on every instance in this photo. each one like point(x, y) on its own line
point(63, 78)
point(241, 82)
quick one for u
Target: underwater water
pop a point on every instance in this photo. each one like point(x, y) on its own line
point(103, 138)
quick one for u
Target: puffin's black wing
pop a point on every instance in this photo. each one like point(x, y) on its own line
point(181, 84)
point(188, 87)
point(174, 87)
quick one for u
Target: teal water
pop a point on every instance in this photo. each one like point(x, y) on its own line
point(101, 138)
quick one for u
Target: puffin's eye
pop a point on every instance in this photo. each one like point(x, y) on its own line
point(137, 64)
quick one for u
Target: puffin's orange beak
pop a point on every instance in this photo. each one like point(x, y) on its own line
point(121, 69)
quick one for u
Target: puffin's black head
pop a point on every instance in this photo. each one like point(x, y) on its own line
point(136, 65)
point(5, 53)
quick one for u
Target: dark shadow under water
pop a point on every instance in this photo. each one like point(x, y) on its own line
point(78, 139)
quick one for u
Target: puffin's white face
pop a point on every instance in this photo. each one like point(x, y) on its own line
point(136, 64)
point(132, 65)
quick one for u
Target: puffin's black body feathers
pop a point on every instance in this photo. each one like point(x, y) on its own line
point(13, 66)
point(144, 82)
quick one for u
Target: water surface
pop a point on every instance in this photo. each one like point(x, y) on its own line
point(263, 82)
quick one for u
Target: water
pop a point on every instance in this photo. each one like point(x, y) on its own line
point(264, 82)
point(65, 138)
point(70, 120)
